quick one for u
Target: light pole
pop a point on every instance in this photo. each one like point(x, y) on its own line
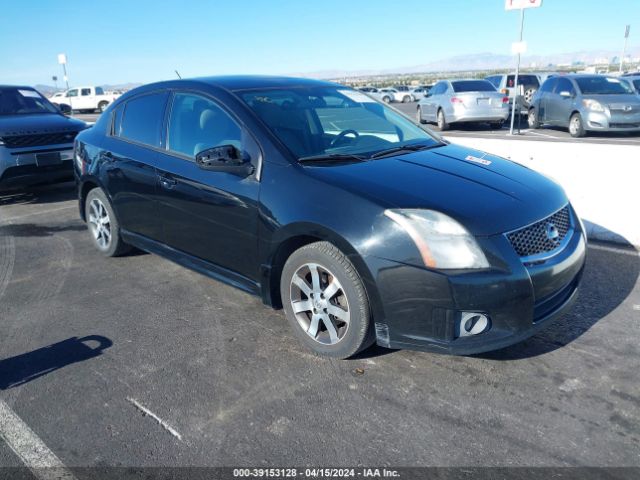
point(624, 49)
point(62, 60)
point(55, 80)
point(515, 80)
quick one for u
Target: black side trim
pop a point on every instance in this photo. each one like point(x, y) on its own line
point(193, 263)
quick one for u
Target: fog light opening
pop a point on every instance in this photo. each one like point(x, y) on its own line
point(473, 323)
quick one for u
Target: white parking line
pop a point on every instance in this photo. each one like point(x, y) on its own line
point(621, 251)
point(162, 423)
point(42, 462)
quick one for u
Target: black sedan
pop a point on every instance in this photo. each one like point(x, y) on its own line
point(364, 226)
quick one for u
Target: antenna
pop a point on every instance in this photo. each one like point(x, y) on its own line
point(178, 74)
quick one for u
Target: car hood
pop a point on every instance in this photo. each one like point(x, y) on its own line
point(485, 193)
point(38, 123)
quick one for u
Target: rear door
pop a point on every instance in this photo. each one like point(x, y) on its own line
point(208, 214)
point(85, 99)
point(129, 158)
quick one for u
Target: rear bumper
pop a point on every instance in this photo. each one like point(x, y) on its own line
point(422, 308)
point(493, 115)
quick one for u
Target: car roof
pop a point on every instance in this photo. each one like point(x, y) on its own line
point(249, 82)
point(17, 86)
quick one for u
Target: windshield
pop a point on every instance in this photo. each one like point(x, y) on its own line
point(472, 86)
point(327, 120)
point(603, 86)
point(22, 101)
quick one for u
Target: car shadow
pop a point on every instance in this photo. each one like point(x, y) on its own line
point(598, 296)
point(36, 230)
point(59, 192)
point(21, 369)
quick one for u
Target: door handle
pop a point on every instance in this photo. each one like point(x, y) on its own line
point(168, 183)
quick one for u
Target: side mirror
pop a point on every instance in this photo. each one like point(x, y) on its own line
point(64, 109)
point(225, 158)
point(566, 94)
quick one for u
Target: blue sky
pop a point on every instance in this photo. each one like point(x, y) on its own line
point(118, 41)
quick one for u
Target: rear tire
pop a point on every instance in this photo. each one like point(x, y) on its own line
point(406, 99)
point(442, 122)
point(103, 225)
point(102, 106)
point(497, 125)
point(386, 99)
point(576, 127)
point(532, 119)
point(336, 324)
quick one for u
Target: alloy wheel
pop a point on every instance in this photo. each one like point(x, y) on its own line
point(574, 125)
point(320, 304)
point(100, 223)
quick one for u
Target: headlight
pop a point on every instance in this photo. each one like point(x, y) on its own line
point(593, 105)
point(442, 242)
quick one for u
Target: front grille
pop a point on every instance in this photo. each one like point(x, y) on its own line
point(22, 141)
point(538, 238)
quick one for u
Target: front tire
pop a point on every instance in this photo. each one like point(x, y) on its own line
point(406, 99)
point(325, 301)
point(386, 99)
point(103, 224)
point(576, 127)
point(497, 125)
point(442, 122)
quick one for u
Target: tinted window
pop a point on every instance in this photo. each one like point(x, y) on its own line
point(85, 91)
point(495, 80)
point(636, 83)
point(602, 86)
point(197, 123)
point(548, 85)
point(564, 85)
point(16, 101)
point(439, 89)
point(143, 117)
point(472, 86)
point(99, 91)
point(526, 80)
point(72, 93)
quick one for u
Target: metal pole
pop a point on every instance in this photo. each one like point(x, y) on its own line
point(515, 81)
point(624, 49)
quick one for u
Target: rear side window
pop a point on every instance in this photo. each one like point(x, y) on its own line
point(85, 92)
point(143, 117)
point(99, 91)
point(564, 85)
point(526, 80)
point(472, 86)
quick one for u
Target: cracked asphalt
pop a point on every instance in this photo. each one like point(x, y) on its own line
point(83, 337)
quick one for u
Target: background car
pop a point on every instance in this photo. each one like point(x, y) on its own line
point(384, 96)
point(585, 103)
point(86, 99)
point(419, 92)
point(634, 81)
point(397, 95)
point(505, 84)
point(468, 101)
point(36, 139)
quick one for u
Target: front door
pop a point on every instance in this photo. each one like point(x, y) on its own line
point(209, 215)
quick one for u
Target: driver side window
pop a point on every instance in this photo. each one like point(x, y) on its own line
point(197, 123)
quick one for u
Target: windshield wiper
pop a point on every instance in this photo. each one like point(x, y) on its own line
point(332, 157)
point(405, 148)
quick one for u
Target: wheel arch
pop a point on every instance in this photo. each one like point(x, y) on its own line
point(292, 237)
point(84, 188)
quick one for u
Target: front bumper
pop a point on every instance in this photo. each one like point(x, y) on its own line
point(611, 121)
point(24, 167)
point(421, 308)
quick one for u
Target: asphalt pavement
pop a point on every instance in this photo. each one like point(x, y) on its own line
point(136, 361)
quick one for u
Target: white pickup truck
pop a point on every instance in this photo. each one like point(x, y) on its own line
point(85, 98)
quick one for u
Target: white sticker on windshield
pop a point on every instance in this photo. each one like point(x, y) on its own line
point(612, 80)
point(482, 161)
point(29, 93)
point(357, 96)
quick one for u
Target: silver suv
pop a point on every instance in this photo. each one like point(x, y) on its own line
point(505, 85)
point(36, 138)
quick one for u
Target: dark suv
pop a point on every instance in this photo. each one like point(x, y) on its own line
point(361, 224)
point(36, 138)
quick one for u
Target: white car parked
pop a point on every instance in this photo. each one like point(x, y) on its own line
point(85, 98)
point(379, 94)
point(397, 95)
